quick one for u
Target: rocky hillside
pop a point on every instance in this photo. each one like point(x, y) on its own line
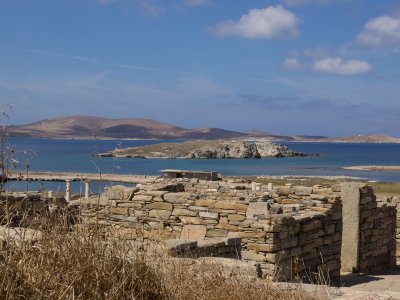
point(364, 139)
point(207, 149)
point(88, 126)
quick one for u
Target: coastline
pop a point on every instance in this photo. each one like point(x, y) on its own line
point(374, 168)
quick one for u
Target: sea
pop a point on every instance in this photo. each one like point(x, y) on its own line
point(63, 155)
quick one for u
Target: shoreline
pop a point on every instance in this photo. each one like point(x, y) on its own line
point(374, 168)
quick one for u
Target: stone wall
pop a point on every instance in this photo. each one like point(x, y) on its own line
point(396, 202)
point(377, 233)
point(369, 228)
point(291, 232)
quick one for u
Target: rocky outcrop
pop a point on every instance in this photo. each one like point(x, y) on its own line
point(276, 150)
point(226, 150)
point(220, 149)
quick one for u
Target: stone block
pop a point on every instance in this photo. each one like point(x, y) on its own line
point(119, 211)
point(211, 233)
point(230, 205)
point(283, 190)
point(193, 232)
point(263, 247)
point(156, 193)
point(183, 212)
point(208, 215)
point(159, 205)
point(205, 203)
point(257, 208)
point(160, 235)
point(176, 198)
point(227, 227)
point(191, 220)
point(251, 255)
point(160, 214)
point(142, 198)
point(236, 218)
point(302, 190)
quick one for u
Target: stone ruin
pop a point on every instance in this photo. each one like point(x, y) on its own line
point(288, 233)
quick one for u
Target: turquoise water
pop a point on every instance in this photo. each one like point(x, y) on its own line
point(77, 156)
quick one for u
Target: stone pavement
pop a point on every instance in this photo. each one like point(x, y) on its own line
point(385, 285)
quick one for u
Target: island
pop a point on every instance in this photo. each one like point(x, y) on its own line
point(201, 149)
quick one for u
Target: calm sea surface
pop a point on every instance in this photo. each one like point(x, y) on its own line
point(77, 156)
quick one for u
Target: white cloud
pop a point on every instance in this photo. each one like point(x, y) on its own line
point(292, 64)
point(150, 9)
point(266, 23)
point(335, 65)
point(194, 2)
point(380, 32)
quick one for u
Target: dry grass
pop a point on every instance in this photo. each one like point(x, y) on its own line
point(386, 188)
point(76, 263)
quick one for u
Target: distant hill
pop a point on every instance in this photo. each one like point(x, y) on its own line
point(130, 128)
point(268, 135)
point(88, 126)
point(364, 139)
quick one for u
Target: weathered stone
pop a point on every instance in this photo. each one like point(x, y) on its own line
point(159, 205)
point(193, 232)
point(176, 198)
point(120, 192)
point(251, 234)
point(191, 220)
point(276, 209)
point(237, 218)
point(283, 190)
point(257, 208)
point(183, 212)
point(156, 193)
point(231, 205)
point(205, 203)
point(216, 233)
point(159, 235)
point(129, 204)
point(142, 198)
point(119, 211)
point(351, 225)
point(302, 190)
point(160, 214)
point(250, 255)
point(227, 227)
point(208, 215)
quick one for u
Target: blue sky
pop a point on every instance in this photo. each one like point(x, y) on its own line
point(329, 67)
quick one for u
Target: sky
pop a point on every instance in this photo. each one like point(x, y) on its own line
point(315, 67)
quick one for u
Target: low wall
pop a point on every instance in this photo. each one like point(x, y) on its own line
point(291, 232)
